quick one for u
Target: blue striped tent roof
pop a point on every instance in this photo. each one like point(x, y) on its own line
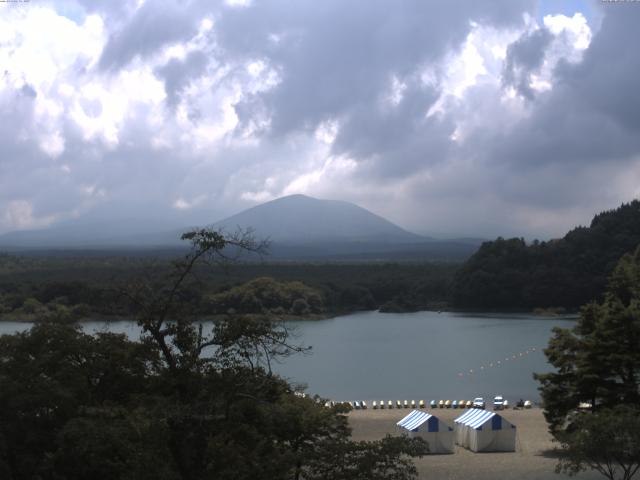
point(476, 418)
point(413, 421)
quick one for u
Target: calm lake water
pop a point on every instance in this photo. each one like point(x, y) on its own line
point(423, 355)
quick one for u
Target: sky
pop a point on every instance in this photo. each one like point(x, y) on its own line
point(512, 118)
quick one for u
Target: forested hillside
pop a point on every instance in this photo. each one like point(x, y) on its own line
point(569, 272)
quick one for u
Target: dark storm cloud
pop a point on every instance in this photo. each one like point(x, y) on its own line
point(337, 62)
point(400, 139)
point(339, 56)
point(524, 57)
point(156, 24)
point(28, 91)
point(114, 11)
point(607, 79)
point(591, 115)
point(178, 73)
point(568, 158)
point(575, 152)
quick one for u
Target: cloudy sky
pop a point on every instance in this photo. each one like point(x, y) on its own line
point(447, 117)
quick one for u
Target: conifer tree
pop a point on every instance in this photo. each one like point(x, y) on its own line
point(598, 361)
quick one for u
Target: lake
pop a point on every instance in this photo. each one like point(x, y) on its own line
point(423, 355)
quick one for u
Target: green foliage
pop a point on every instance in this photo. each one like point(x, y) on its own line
point(49, 375)
point(358, 297)
point(569, 272)
point(598, 361)
point(180, 404)
point(266, 295)
point(379, 460)
point(31, 306)
point(107, 444)
point(607, 441)
point(91, 286)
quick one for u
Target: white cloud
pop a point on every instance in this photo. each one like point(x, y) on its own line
point(479, 60)
point(52, 144)
point(238, 3)
point(331, 170)
point(257, 197)
point(576, 28)
point(397, 90)
point(182, 204)
point(19, 215)
point(327, 131)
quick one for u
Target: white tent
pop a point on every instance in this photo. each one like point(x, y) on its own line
point(484, 431)
point(438, 434)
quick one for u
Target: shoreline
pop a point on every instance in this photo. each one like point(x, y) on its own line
point(323, 316)
point(534, 458)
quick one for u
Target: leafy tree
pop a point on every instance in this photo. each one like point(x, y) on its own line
point(52, 373)
point(267, 295)
point(31, 306)
point(607, 441)
point(106, 444)
point(598, 361)
point(383, 459)
point(180, 404)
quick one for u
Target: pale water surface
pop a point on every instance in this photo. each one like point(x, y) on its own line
point(423, 355)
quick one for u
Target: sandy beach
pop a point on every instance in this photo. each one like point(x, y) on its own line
point(533, 459)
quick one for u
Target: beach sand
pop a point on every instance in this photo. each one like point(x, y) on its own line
point(533, 459)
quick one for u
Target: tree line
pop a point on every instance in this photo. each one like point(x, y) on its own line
point(73, 288)
point(567, 272)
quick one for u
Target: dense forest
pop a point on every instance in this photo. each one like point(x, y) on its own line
point(69, 288)
point(567, 273)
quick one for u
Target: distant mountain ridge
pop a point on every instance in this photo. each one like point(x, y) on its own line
point(302, 219)
point(299, 227)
